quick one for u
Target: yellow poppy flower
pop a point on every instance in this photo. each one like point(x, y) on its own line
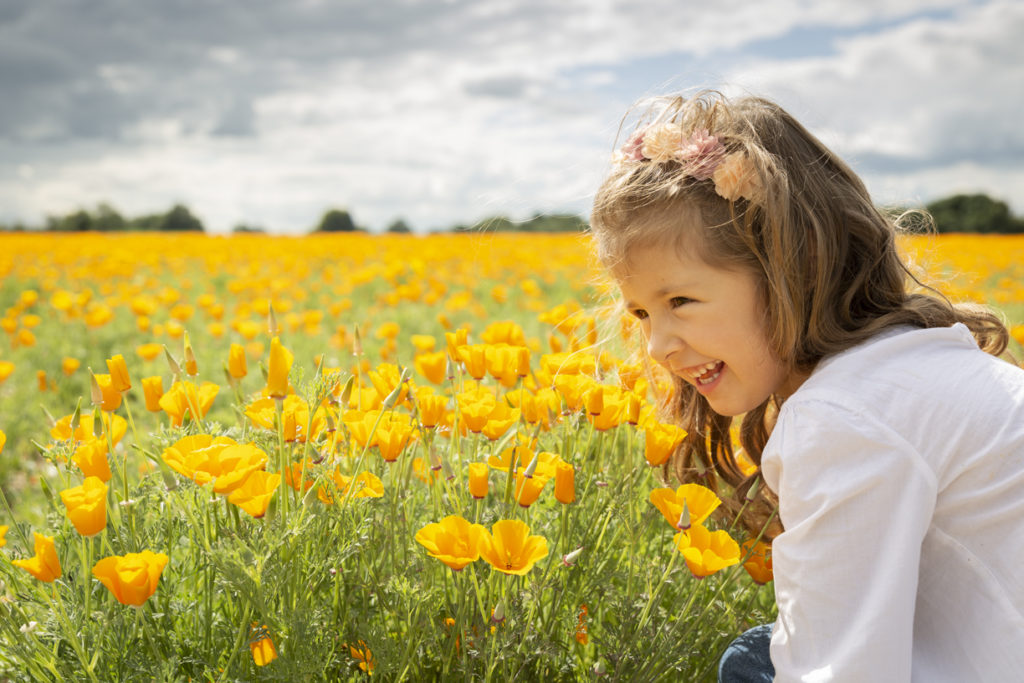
point(361, 653)
point(278, 367)
point(153, 391)
point(706, 552)
point(237, 367)
point(759, 561)
point(91, 458)
point(432, 365)
point(131, 578)
point(44, 565)
point(87, 506)
point(105, 395)
point(453, 540)
point(474, 359)
point(69, 365)
point(700, 502)
point(3, 532)
point(661, 441)
point(182, 395)
point(565, 483)
point(195, 456)
point(119, 379)
point(509, 548)
point(261, 646)
point(478, 480)
point(255, 492)
point(430, 407)
point(85, 430)
point(528, 489)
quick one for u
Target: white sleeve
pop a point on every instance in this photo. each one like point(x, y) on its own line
point(856, 501)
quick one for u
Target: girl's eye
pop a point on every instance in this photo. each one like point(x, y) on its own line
point(678, 301)
point(639, 313)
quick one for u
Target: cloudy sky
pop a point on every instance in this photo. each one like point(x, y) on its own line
point(268, 113)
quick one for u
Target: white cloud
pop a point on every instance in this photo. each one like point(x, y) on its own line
point(936, 100)
point(445, 112)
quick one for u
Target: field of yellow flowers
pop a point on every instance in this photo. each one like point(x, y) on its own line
point(336, 457)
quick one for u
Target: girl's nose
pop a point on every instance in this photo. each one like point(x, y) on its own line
point(662, 343)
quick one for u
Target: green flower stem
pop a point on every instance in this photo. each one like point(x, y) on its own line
point(243, 631)
point(70, 632)
point(10, 515)
point(282, 459)
point(642, 621)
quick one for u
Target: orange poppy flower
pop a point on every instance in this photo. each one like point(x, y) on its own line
point(431, 407)
point(44, 565)
point(707, 552)
point(255, 492)
point(661, 441)
point(261, 646)
point(698, 500)
point(478, 480)
point(69, 365)
point(119, 378)
point(182, 395)
point(104, 394)
point(131, 578)
point(153, 391)
point(759, 561)
point(363, 485)
point(528, 489)
point(565, 483)
point(237, 367)
point(87, 506)
point(278, 367)
point(432, 365)
point(361, 653)
point(91, 458)
point(453, 540)
point(510, 549)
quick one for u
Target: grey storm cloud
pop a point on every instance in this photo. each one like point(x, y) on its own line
point(92, 69)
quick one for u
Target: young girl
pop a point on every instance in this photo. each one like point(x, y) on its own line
point(769, 286)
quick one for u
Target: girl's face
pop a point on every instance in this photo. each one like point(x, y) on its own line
point(705, 325)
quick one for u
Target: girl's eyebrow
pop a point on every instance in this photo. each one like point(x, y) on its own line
point(660, 293)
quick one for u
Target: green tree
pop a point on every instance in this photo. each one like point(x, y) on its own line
point(107, 218)
point(336, 220)
point(399, 226)
point(180, 219)
point(972, 213)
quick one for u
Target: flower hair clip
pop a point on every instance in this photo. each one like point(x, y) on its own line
point(701, 155)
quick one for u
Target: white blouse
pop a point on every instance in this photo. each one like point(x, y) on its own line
point(899, 466)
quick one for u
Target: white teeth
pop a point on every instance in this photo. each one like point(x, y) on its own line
point(704, 369)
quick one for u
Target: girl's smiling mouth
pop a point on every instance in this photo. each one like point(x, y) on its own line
point(706, 374)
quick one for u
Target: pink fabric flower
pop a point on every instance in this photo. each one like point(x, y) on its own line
point(633, 149)
point(701, 154)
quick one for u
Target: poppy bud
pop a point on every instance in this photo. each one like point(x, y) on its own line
point(565, 483)
point(569, 559)
point(754, 488)
point(173, 364)
point(478, 480)
point(119, 378)
point(684, 518)
point(236, 361)
point(191, 367)
point(498, 613)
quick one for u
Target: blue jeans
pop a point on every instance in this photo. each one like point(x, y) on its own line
point(746, 659)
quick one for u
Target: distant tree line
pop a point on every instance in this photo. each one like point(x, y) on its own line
point(972, 213)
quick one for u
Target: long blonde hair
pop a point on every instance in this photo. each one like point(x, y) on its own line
point(823, 254)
